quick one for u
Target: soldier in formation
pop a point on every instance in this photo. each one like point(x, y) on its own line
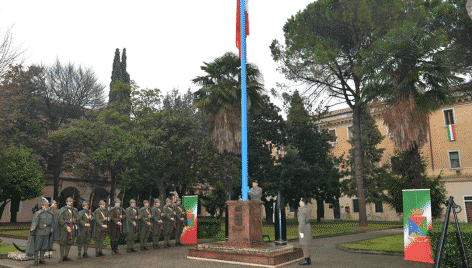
point(116, 224)
point(53, 208)
point(180, 220)
point(146, 225)
point(67, 224)
point(86, 220)
point(40, 239)
point(132, 217)
point(168, 221)
point(157, 224)
point(101, 227)
point(304, 229)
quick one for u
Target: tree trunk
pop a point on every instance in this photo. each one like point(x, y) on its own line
point(414, 169)
point(319, 209)
point(111, 195)
point(358, 165)
point(162, 191)
point(14, 207)
point(228, 159)
point(2, 207)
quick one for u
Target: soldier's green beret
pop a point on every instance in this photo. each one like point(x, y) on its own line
point(69, 199)
point(117, 200)
point(132, 201)
point(145, 201)
point(102, 202)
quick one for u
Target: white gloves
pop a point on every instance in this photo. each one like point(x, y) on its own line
point(301, 235)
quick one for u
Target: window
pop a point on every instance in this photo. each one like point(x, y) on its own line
point(379, 207)
point(395, 164)
point(350, 132)
point(19, 207)
point(355, 204)
point(448, 117)
point(454, 159)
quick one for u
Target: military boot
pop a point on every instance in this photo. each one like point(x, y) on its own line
point(85, 251)
point(62, 249)
point(96, 250)
point(116, 248)
point(36, 261)
point(66, 254)
point(128, 246)
point(132, 246)
point(100, 253)
point(145, 243)
point(41, 257)
point(141, 244)
point(79, 250)
point(306, 261)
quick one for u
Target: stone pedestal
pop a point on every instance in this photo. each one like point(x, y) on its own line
point(245, 224)
point(245, 245)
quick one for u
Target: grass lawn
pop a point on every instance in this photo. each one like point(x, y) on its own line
point(386, 243)
point(4, 248)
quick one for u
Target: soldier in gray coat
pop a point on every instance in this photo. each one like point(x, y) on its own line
point(41, 231)
point(255, 193)
point(304, 229)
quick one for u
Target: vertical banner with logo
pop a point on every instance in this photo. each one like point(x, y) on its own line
point(416, 223)
point(189, 234)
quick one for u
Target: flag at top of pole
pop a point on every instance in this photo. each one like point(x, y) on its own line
point(238, 24)
point(241, 26)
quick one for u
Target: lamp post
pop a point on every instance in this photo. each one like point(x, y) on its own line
point(280, 223)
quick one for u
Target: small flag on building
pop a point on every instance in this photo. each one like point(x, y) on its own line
point(451, 133)
point(238, 24)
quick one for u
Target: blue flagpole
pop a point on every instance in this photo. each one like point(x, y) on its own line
point(245, 187)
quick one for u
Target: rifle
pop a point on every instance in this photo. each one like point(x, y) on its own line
point(137, 212)
point(121, 210)
point(173, 209)
point(71, 213)
point(150, 216)
point(90, 207)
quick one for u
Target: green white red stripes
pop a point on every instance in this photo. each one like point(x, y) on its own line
point(451, 133)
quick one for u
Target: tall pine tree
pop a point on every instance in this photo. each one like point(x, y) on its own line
point(119, 73)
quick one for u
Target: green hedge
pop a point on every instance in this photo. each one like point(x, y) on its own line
point(451, 256)
point(208, 228)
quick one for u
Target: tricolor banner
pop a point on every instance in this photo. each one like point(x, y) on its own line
point(238, 24)
point(417, 221)
point(451, 133)
point(189, 234)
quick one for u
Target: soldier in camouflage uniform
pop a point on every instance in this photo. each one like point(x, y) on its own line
point(168, 222)
point(156, 222)
point(68, 229)
point(146, 225)
point(132, 217)
point(180, 220)
point(116, 218)
point(101, 226)
point(86, 220)
point(40, 239)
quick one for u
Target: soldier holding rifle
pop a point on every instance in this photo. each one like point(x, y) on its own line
point(156, 222)
point(116, 219)
point(180, 220)
point(168, 222)
point(101, 226)
point(86, 220)
point(132, 217)
point(67, 223)
point(145, 225)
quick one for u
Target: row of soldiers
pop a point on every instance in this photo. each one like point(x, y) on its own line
point(67, 223)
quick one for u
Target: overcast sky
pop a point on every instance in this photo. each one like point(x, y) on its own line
point(166, 41)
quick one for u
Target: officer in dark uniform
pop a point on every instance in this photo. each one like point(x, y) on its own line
point(101, 226)
point(180, 220)
point(132, 216)
point(168, 222)
point(116, 218)
point(67, 223)
point(146, 225)
point(157, 214)
point(40, 239)
point(86, 220)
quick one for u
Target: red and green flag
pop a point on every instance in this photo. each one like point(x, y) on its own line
point(451, 133)
point(238, 24)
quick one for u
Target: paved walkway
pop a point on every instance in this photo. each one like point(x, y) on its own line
point(324, 254)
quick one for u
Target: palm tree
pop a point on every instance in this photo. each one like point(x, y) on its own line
point(411, 68)
point(220, 100)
